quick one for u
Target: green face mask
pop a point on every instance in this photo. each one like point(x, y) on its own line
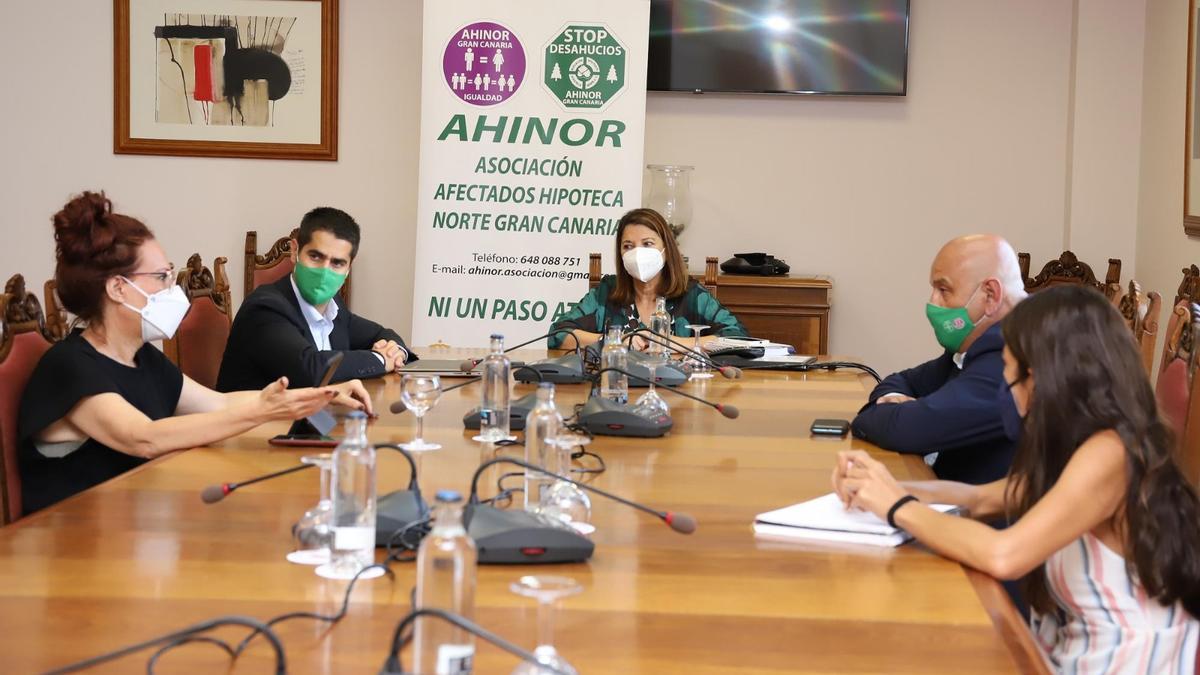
point(951, 325)
point(317, 285)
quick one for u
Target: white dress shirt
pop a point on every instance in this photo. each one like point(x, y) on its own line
point(321, 325)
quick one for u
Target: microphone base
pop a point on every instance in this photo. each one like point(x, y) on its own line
point(394, 511)
point(665, 375)
point(517, 537)
point(603, 417)
point(565, 369)
point(518, 410)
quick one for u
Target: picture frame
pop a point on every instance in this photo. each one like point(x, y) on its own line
point(254, 79)
point(1191, 150)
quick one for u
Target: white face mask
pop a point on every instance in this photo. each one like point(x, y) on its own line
point(643, 263)
point(163, 313)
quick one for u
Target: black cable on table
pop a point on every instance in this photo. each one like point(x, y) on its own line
point(328, 618)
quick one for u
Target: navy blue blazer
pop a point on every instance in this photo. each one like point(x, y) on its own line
point(957, 413)
point(270, 338)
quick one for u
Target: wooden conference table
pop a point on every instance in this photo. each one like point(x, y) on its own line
point(141, 555)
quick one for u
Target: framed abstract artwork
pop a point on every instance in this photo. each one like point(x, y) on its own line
point(226, 78)
point(1191, 153)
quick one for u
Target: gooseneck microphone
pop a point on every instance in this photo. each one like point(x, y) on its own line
point(184, 636)
point(215, 493)
point(393, 666)
point(398, 407)
point(725, 409)
point(680, 522)
point(729, 372)
point(393, 510)
point(468, 365)
point(412, 465)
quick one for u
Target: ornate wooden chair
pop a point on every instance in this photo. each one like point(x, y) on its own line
point(23, 341)
point(1178, 387)
point(58, 323)
point(1189, 288)
point(1068, 269)
point(1141, 311)
point(275, 264)
point(709, 280)
point(199, 343)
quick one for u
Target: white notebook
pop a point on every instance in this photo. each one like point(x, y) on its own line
point(826, 519)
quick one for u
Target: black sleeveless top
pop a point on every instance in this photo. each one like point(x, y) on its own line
point(70, 371)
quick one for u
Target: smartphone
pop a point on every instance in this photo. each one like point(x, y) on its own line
point(303, 441)
point(310, 432)
point(331, 367)
point(830, 427)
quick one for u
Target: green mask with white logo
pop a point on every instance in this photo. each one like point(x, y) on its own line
point(951, 325)
point(317, 285)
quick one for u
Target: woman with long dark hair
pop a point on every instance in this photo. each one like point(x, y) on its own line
point(649, 266)
point(1106, 529)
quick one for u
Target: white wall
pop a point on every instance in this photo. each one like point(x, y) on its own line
point(57, 140)
point(1106, 132)
point(864, 190)
point(1163, 249)
point(867, 190)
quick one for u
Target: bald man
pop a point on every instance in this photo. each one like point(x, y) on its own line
point(955, 404)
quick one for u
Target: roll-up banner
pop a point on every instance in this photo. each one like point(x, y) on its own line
point(532, 128)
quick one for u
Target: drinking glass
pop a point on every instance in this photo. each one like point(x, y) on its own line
point(547, 590)
point(312, 532)
point(651, 402)
point(565, 501)
point(419, 394)
point(699, 368)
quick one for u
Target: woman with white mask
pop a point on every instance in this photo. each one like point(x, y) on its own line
point(650, 266)
point(104, 400)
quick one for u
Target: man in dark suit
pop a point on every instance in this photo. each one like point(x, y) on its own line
point(293, 326)
point(955, 405)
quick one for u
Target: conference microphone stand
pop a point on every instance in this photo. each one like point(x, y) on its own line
point(729, 372)
point(680, 522)
point(725, 409)
point(469, 364)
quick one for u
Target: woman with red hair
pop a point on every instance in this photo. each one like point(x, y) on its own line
point(104, 400)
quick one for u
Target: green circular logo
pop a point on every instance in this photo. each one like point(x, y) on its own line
point(585, 72)
point(585, 66)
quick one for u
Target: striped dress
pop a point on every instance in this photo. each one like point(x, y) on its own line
point(1105, 622)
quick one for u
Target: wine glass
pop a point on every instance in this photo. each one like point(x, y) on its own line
point(564, 501)
point(312, 532)
point(419, 394)
point(651, 402)
point(699, 368)
point(547, 590)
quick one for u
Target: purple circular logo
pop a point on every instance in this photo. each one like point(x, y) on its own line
point(484, 63)
point(959, 323)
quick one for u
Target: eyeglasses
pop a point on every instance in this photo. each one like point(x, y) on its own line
point(163, 277)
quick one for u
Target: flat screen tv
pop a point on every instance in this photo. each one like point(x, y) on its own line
point(836, 47)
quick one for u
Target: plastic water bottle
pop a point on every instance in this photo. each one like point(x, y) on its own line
point(660, 322)
point(353, 492)
point(446, 581)
point(497, 394)
point(542, 424)
point(614, 386)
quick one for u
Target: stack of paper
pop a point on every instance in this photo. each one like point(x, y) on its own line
point(769, 348)
point(826, 519)
point(787, 359)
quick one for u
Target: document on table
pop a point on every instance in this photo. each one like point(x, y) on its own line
point(826, 519)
